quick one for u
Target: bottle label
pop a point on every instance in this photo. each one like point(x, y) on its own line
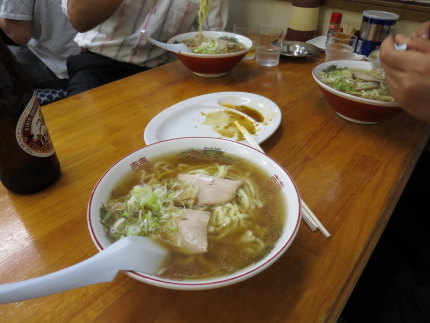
point(31, 132)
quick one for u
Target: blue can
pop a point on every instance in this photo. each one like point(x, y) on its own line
point(375, 27)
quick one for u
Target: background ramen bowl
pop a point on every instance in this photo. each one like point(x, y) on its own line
point(354, 108)
point(287, 187)
point(211, 65)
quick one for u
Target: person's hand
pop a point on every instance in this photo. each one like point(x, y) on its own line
point(407, 75)
point(423, 32)
point(417, 40)
point(414, 43)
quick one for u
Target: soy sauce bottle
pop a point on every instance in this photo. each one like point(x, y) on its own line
point(28, 162)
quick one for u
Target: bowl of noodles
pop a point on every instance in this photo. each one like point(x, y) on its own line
point(223, 210)
point(212, 53)
point(356, 91)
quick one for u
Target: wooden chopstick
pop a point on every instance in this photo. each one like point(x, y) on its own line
point(309, 221)
point(313, 217)
point(307, 215)
point(348, 29)
point(251, 141)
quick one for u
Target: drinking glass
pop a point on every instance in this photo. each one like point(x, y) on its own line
point(269, 45)
point(340, 46)
point(249, 31)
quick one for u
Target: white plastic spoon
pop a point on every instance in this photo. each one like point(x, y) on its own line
point(129, 253)
point(176, 48)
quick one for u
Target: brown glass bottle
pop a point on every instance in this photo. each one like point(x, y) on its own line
point(28, 162)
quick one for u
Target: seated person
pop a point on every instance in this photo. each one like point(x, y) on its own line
point(112, 44)
point(43, 39)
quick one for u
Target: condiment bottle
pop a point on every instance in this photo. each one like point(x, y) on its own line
point(334, 25)
point(28, 162)
point(303, 23)
point(375, 27)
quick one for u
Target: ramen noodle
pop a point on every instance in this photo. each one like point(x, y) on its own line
point(202, 15)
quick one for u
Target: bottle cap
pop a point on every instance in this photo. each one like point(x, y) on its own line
point(336, 18)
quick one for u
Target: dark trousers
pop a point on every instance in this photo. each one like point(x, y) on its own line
point(88, 70)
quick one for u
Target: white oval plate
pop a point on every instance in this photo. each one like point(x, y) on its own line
point(186, 118)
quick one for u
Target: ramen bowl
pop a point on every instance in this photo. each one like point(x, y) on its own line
point(282, 184)
point(350, 107)
point(212, 65)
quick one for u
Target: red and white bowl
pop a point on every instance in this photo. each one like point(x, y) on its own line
point(354, 108)
point(211, 65)
point(284, 182)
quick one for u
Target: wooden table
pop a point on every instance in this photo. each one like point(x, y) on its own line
point(350, 175)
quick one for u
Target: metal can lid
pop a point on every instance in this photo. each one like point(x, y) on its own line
point(377, 14)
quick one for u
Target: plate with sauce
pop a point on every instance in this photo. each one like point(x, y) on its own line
point(213, 115)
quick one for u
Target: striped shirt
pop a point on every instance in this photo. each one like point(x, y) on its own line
point(119, 37)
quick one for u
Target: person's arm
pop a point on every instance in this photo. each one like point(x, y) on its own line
point(407, 75)
point(19, 31)
point(85, 15)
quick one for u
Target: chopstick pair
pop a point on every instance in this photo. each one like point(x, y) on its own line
point(348, 29)
point(307, 215)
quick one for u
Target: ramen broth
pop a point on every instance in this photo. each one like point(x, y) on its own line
point(236, 239)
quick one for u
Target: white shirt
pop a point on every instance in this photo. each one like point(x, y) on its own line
point(52, 34)
point(119, 37)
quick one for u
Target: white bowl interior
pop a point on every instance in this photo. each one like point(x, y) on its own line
point(351, 64)
point(287, 187)
point(213, 34)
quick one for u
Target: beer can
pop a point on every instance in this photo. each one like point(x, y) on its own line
point(375, 27)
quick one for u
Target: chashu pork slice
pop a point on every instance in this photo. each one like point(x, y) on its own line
point(192, 235)
point(212, 190)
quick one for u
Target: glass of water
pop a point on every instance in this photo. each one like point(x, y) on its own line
point(250, 31)
point(340, 46)
point(269, 45)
